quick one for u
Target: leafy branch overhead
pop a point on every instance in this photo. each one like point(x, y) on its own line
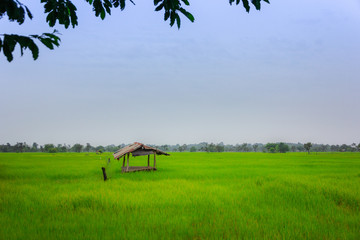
point(9, 42)
point(63, 12)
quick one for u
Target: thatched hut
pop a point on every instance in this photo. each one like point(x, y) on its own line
point(137, 149)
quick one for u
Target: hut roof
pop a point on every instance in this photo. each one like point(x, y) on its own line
point(136, 146)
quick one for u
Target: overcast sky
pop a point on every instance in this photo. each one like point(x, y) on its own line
point(287, 73)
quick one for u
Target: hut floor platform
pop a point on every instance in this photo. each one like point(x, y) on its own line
point(135, 169)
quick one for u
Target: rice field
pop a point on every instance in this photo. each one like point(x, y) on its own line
point(191, 196)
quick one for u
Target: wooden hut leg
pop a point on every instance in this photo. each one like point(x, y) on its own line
point(124, 161)
point(154, 160)
point(128, 156)
point(148, 160)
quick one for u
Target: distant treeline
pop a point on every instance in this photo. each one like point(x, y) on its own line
point(200, 147)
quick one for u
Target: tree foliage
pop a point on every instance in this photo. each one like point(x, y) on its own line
point(282, 147)
point(202, 147)
point(77, 147)
point(277, 147)
point(63, 12)
point(308, 146)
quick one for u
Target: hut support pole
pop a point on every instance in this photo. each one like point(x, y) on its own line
point(128, 156)
point(148, 160)
point(154, 159)
point(124, 161)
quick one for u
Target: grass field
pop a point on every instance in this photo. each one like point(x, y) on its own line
point(191, 196)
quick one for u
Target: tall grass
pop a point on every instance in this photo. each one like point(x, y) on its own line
point(191, 196)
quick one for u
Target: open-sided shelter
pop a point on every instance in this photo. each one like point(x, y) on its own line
point(137, 149)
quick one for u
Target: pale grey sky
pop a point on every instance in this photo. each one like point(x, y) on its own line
point(287, 73)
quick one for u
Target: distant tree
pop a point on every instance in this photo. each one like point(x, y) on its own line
point(219, 147)
point(282, 147)
point(358, 147)
point(110, 148)
point(99, 148)
point(193, 149)
point(87, 147)
point(353, 146)
point(244, 147)
point(300, 147)
point(8, 147)
point(66, 148)
point(322, 148)
point(121, 146)
point(185, 147)
point(34, 147)
point(255, 147)
point(293, 148)
point(77, 147)
point(335, 148)
point(308, 146)
point(61, 148)
point(3, 148)
point(48, 146)
point(271, 147)
point(212, 147)
point(182, 148)
point(52, 150)
point(230, 148)
point(19, 147)
point(204, 147)
point(164, 147)
point(343, 148)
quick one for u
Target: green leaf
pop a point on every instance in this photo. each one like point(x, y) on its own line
point(34, 49)
point(107, 8)
point(102, 14)
point(122, 4)
point(51, 19)
point(178, 22)
point(9, 46)
point(172, 18)
point(166, 15)
point(256, 3)
point(116, 3)
point(187, 14)
point(186, 2)
point(158, 8)
point(156, 2)
point(246, 5)
point(47, 42)
point(28, 13)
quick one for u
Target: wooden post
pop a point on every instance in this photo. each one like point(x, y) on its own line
point(104, 173)
point(128, 156)
point(149, 160)
point(154, 159)
point(124, 161)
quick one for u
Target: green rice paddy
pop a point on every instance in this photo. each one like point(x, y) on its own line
point(191, 196)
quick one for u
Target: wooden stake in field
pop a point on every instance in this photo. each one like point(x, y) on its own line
point(104, 173)
point(138, 149)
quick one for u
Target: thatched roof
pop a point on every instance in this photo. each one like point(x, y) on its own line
point(136, 146)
